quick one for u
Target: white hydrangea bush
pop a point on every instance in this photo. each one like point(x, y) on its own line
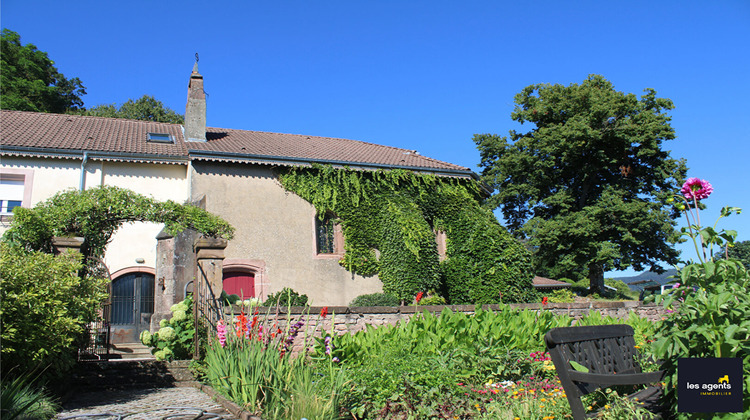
point(174, 340)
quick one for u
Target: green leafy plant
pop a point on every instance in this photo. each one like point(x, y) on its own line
point(45, 308)
point(385, 385)
point(96, 213)
point(376, 299)
point(286, 297)
point(174, 340)
point(562, 296)
point(711, 302)
point(250, 361)
point(20, 399)
point(432, 298)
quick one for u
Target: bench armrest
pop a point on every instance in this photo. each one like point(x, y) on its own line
point(616, 379)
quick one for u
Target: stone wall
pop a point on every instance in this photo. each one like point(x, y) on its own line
point(353, 319)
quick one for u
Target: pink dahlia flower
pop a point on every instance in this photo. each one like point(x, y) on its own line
point(696, 188)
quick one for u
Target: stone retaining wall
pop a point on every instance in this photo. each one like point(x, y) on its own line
point(352, 319)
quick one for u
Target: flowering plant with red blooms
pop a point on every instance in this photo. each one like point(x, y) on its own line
point(696, 189)
point(241, 327)
point(544, 301)
point(419, 296)
point(324, 312)
point(704, 239)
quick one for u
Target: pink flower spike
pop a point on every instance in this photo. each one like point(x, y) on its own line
point(696, 188)
point(221, 332)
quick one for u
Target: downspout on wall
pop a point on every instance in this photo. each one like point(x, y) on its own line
point(82, 183)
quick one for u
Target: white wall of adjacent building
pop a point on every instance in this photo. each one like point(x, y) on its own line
point(135, 243)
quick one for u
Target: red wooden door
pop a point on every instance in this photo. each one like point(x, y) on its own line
point(240, 284)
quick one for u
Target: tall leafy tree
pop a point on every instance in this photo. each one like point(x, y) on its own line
point(29, 80)
point(145, 108)
point(741, 251)
point(586, 186)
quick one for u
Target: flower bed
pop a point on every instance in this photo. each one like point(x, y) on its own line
point(486, 364)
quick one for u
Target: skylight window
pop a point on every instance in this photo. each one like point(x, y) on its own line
point(160, 138)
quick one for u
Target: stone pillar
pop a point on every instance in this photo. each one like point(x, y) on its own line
point(67, 244)
point(209, 255)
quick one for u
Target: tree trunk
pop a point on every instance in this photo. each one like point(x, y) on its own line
point(596, 278)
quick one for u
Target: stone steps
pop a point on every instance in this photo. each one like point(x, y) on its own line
point(131, 351)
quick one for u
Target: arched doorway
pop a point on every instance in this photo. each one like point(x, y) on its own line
point(132, 306)
point(239, 283)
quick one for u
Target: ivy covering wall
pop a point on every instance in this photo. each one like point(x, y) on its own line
point(390, 218)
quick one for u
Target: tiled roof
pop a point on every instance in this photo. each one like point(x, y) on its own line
point(545, 283)
point(45, 134)
point(39, 133)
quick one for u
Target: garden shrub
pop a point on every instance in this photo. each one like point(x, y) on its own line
point(45, 308)
point(562, 296)
point(397, 213)
point(376, 299)
point(432, 298)
point(286, 297)
point(174, 340)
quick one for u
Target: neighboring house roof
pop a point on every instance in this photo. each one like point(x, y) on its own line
point(545, 283)
point(59, 135)
point(68, 136)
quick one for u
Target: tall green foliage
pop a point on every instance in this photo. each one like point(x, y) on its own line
point(97, 213)
point(587, 183)
point(741, 252)
point(389, 220)
point(45, 308)
point(145, 108)
point(711, 302)
point(29, 80)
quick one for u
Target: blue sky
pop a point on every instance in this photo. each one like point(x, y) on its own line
point(423, 75)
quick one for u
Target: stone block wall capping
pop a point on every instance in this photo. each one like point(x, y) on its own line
point(67, 243)
point(210, 248)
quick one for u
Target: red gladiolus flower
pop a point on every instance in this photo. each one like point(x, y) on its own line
point(697, 189)
point(241, 325)
point(544, 301)
point(324, 312)
point(419, 296)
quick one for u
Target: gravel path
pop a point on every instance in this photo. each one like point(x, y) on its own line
point(144, 404)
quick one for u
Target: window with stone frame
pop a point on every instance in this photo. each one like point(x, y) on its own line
point(329, 238)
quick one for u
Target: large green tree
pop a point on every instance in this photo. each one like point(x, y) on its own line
point(586, 186)
point(741, 252)
point(145, 108)
point(29, 80)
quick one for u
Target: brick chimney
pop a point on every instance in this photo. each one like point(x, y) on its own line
point(195, 110)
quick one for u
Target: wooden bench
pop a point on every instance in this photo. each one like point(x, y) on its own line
point(609, 354)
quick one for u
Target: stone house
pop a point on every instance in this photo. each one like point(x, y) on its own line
point(230, 172)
